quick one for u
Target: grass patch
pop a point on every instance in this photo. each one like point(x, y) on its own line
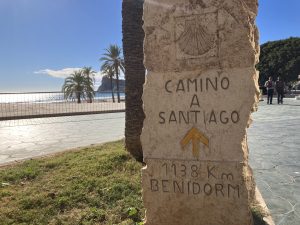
point(96, 185)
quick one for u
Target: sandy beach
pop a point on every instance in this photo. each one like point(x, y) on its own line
point(34, 110)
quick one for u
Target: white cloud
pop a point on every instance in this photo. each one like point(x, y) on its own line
point(63, 73)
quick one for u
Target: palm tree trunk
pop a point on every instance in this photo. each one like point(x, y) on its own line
point(133, 39)
point(112, 89)
point(78, 97)
point(89, 93)
point(118, 89)
point(90, 97)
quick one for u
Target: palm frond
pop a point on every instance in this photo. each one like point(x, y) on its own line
point(79, 83)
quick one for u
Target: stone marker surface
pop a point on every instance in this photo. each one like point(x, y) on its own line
point(201, 88)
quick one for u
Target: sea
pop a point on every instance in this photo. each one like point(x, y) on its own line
point(48, 97)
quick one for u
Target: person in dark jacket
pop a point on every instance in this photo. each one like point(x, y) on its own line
point(270, 85)
point(280, 90)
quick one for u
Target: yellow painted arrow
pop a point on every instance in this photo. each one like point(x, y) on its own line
point(194, 136)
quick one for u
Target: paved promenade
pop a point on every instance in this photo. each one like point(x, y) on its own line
point(21, 139)
point(274, 143)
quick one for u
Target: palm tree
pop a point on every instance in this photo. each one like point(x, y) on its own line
point(89, 73)
point(109, 72)
point(112, 58)
point(133, 38)
point(77, 84)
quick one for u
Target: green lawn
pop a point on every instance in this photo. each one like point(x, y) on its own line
point(95, 185)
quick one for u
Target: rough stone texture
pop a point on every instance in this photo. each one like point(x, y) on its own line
point(194, 192)
point(260, 202)
point(229, 25)
point(200, 91)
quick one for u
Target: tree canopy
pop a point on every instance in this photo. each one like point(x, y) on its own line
point(78, 85)
point(113, 60)
point(280, 59)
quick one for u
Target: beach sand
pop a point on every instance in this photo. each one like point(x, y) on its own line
point(34, 110)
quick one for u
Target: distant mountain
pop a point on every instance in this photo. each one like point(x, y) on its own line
point(105, 85)
point(280, 58)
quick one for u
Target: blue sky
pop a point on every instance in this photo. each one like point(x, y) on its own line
point(40, 40)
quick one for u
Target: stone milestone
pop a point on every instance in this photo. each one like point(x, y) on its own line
point(201, 88)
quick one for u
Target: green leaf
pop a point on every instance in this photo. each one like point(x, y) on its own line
point(132, 211)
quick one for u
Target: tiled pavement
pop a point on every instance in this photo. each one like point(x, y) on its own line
point(274, 143)
point(21, 139)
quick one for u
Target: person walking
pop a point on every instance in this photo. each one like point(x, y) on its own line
point(279, 85)
point(270, 85)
